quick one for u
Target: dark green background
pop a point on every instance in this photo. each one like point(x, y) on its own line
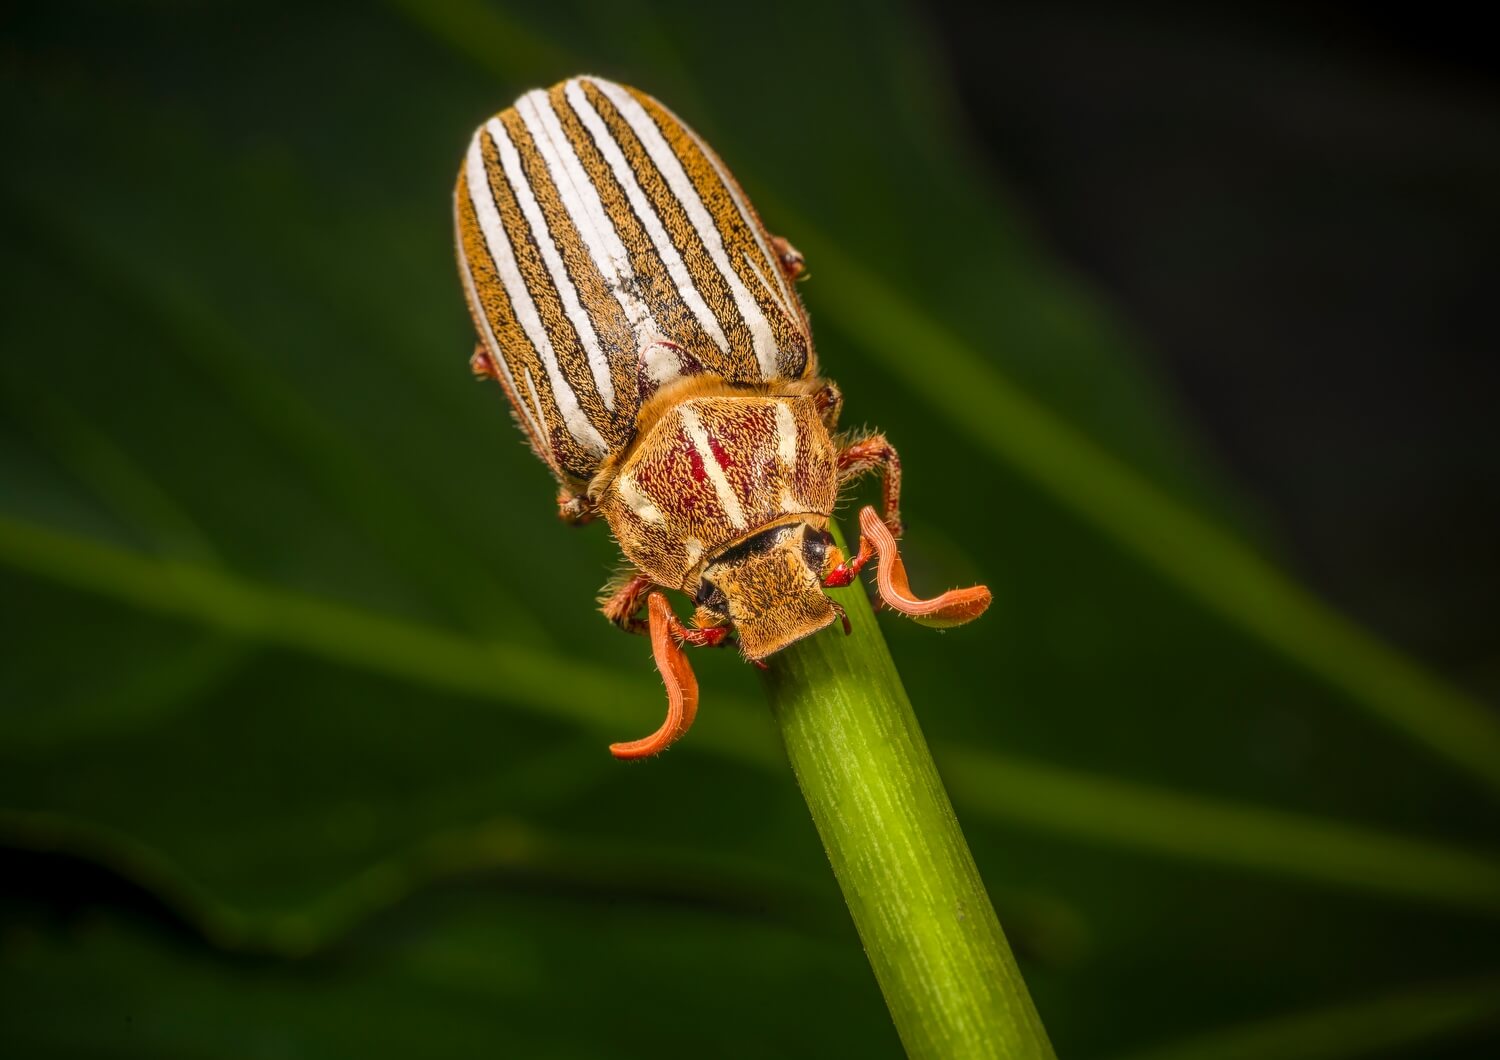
point(235, 358)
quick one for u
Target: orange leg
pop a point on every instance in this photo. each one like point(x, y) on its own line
point(668, 635)
point(952, 608)
point(875, 454)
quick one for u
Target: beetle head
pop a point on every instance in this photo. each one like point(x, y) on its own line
point(770, 586)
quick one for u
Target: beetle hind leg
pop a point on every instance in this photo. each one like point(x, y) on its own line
point(792, 263)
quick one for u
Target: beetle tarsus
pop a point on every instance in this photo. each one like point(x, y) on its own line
point(845, 573)
point(704, 636)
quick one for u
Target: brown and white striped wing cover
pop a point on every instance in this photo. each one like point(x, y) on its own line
point(606, 250)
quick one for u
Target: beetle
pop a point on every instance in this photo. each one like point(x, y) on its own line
point(645, 327)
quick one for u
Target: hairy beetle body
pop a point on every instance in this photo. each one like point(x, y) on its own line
point(711, 471)
point(646, 330)
point(718, 469)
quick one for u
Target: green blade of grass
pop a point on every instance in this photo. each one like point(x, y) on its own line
point(1136, 816)
point(1374, 1025)
point(1004, 789)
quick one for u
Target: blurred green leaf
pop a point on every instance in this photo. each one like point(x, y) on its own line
point(994, 786)
point(279, 561)
point(1419, 1017)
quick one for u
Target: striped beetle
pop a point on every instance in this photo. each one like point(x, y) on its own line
point(644, 326)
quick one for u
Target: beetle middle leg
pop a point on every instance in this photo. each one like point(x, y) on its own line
point(829, 401)
point(875, 453)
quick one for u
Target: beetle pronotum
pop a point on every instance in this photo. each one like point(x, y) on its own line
point(645, 328)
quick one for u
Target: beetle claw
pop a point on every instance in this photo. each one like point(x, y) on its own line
point(682, 687)
point(703, 636)
point(952, 608)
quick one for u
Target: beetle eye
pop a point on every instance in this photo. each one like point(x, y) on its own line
point(711, 596)
point(815, 545)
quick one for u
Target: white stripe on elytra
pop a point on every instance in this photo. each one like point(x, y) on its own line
point(693, 427)
point(670, 167)
point(643, 210)
point(531, 387)
point(494, 347)
point(483, 199)
point(581, 199)
point(786, 301)
point(661, 361)
point(583, 324)
point(637, 501)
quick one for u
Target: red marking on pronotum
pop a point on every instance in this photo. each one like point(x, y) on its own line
point(720, 453)
point(695, 458)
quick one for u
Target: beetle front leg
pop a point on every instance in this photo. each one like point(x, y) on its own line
point(622, 600)
point(875, 454)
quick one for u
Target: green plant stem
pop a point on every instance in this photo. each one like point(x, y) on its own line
point(932, 937)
